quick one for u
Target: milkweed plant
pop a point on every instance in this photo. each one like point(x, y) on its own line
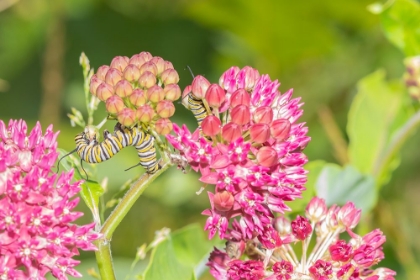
point(267, 220)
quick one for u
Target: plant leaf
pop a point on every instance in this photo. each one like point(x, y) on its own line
point(337, 186)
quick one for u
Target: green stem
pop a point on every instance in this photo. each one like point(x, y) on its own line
point(104, 259)
point(128, 200)
point(103, 255)
point(396, 143)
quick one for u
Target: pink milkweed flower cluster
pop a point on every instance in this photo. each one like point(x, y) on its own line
point(330, 258)
point(37, 234)
point(249, 146)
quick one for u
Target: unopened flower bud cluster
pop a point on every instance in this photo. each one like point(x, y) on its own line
point(336, 252)
point(138, 91)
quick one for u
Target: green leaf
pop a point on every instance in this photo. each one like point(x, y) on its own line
point(378, 110)
point(401, 23)
point(181, 256)
point(314, 169)
point(337, 186)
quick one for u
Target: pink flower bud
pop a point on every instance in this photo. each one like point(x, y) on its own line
point(160, 64)
point(169, 76)
point(94, 83)
point(123, 88)
point(168, 65)
point(301, 228)
point(199, 86)
point(260, 132)
point(248, 77)
point(145, 113)
point(104, 91)
point(131, 73)
point(113, 76)
point(223, 201)
point(282, 225)
point(228, 79)
point(215, 96)
point(127, 117)
point(267, 156)
point(147, 80)
point(316, 209)
point(211, 125)
point(148, 66)
point(240, 97)
point(349, 215)
point(140, 59)
point(165, 109)
point(138, 98)
point(231, 131)
point(280, 129)
point(340, 251)
point(101, 72)
point(155, 94)
point(114, 104)
point(163, 126)
point(172, 92)
point(119, 62)
point(240, 114)
point(263, 114)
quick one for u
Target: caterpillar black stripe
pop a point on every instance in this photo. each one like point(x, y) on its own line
point(197, 108)
point(92, 151)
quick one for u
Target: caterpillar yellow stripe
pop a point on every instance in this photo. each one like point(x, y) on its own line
point(196, 106)
point(92, 151)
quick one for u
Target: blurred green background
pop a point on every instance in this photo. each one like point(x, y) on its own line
point(319, 48)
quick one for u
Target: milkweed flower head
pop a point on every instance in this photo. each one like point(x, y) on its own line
point(332, 256)
point(37, 234)
point(139, 90)
point(249, 146)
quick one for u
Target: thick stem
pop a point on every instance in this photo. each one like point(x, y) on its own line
point(128, 200)
point(104, 259)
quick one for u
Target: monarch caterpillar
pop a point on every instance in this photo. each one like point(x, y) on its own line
point(92, 151)
point(197, 108)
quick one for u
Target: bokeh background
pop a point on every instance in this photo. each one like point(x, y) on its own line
point(319, 48)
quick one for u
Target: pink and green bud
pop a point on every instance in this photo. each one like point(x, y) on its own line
point(211, 125)
point(155, 94)
point(259, 132)
point(160, 64)
point(280, 129)
point(94, 83)
point(168, 65)
point(267, 156)
point(127, 117)
point(104, 91)
point(316, 209)
point(138, 98)
point(231, 132)
point(240, 114)
point(119, 62)
point(163, 126)
point(248, 77)
point(223, 201)
point(101, 72)
point(199, 86)
point(123, 88)
point(263, 114)
point(113, 76)
point(169, 76)
point(240, 97)
point(148, 67)
point(140, 59)
point(147, 80)
point(172, 92)
point(165, 109)
point(114, 104)
point(145, 113)
point(215, 96)
point(131, 73)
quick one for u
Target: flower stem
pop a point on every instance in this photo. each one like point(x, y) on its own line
point(396, 143)
point(103, 255)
